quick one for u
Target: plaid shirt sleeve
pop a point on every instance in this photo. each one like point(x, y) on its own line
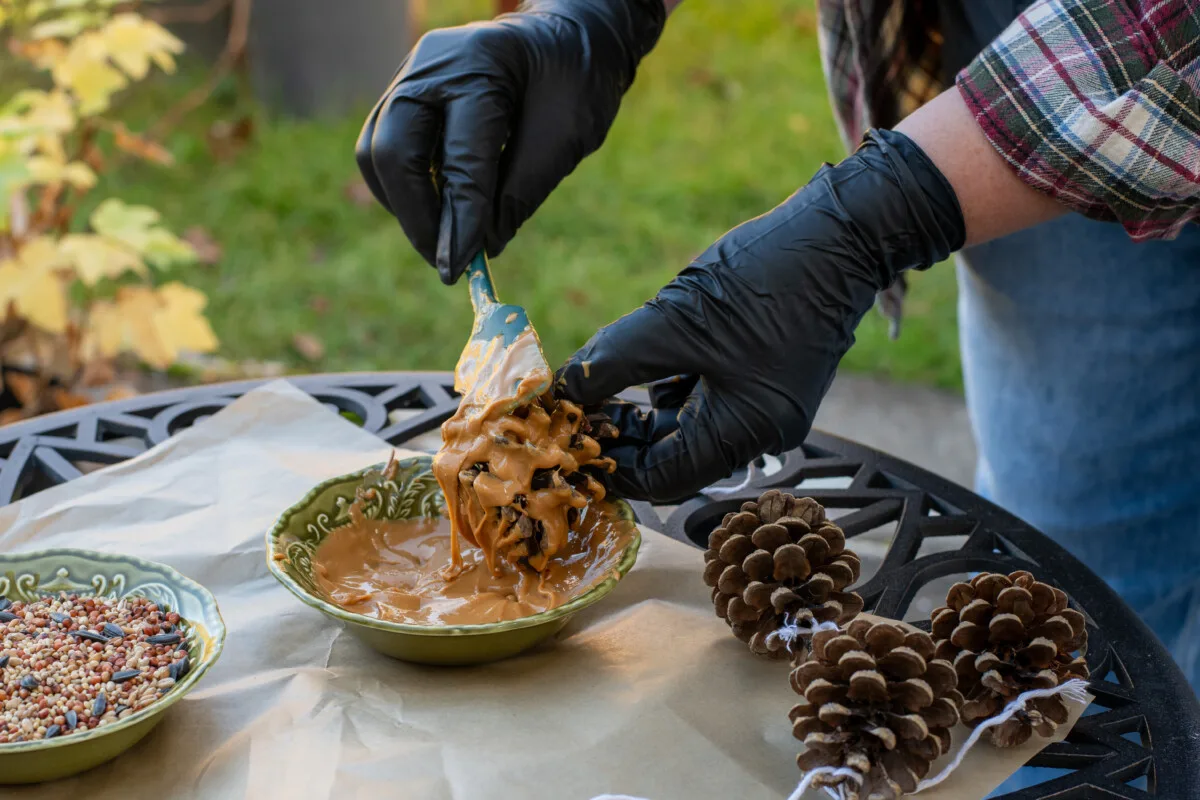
point(1097, 103)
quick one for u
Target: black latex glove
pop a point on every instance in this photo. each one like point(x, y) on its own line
point(763, 317)
point(482, 121)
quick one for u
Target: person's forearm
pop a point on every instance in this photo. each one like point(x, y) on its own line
point(994, 201)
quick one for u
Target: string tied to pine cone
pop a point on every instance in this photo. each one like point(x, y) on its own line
point(877, 710)
point(1008, 635)
point(778, 564)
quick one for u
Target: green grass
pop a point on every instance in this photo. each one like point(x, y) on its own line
point(728, 116)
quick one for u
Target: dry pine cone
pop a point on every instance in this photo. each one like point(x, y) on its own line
point(776, 559)
point(1007, 635)
point(877, 702)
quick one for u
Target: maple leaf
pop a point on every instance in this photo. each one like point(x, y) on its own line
point(155, 324)
point(48, 170)
point(137, 227)
point(96, 257)
point(85, 71)
point(32, 112)
point(134, 41)
point(31, 285)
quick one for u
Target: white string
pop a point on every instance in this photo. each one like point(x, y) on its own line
point(791, 630)
point(838, 792)
point(1074, 689)
point(751, 471)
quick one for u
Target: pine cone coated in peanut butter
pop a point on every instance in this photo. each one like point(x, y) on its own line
point(876, 701)
point(1005, 635)
point(779, 560)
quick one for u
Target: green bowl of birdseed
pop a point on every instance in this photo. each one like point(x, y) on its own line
point(109, 642)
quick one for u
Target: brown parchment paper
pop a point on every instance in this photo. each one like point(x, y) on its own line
point(645, 694)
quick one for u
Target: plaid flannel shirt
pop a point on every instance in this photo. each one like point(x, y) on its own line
point(1094, 102)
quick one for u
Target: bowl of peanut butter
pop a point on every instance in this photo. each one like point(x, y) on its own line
point(521, 547)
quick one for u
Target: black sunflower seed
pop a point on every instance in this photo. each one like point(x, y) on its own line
point(99, 705)
point(112, 631)
point(29, 682)
point(5, 603)
point(125, 675)
point(91, 636)
point(52, 731)
point(121, 708)
point(7, 616)
point(3, 662)
point(72, 719)
point(180, 668)
point(165, 638)
point(61, 619)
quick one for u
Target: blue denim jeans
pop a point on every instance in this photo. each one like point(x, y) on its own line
point(1081, 358)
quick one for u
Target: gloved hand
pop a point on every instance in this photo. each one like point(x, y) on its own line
point(761, 320)
point(482, 121)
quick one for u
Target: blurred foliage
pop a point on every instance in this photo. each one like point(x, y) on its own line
point(76, 288)
point(728, 116)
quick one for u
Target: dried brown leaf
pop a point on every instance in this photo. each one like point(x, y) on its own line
point(228, 138)
point(141, 146)
point(208, 250)
point(308, 346)
point(64, 399)
point(319, 303)
point(358, 193)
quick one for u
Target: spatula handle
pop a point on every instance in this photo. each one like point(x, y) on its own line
point(479, 281)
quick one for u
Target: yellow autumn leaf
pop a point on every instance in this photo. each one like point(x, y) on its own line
point(105, 334)
point(33, 112)
point(155, 324)
point(137, 227)
point(124, 222)
point(46, 170)
point(43, 54)
point(66, 26)
point(182, 322)
point(86, 73)
point(134, 41)
point(31, 285)
point(96, 257)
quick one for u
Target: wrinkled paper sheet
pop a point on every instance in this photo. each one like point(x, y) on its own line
point(644, 694)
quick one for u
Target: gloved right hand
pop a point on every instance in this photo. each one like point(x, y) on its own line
point(483, 121)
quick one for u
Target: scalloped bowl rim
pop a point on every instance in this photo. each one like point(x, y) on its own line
point(600, 590)
point(180, 689)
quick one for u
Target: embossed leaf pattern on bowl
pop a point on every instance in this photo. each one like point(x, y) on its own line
point(412, 493)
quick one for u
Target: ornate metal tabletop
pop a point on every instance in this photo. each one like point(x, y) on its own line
point(1139, 739)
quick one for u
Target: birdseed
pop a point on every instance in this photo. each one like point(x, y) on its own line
point(70, 663)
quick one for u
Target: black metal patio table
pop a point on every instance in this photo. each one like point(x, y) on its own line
point(1140, 739)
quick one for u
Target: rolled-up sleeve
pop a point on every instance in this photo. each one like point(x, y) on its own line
point(1097, 103)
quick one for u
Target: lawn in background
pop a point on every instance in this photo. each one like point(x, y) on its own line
point(728, 116)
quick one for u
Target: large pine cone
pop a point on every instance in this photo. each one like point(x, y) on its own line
point(878, 702)
point(1007, 635)
point(780, 558)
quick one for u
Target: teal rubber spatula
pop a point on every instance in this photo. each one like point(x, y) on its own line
point(502, 366)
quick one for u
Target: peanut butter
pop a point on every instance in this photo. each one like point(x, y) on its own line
point(394, 571)
point(511, 476)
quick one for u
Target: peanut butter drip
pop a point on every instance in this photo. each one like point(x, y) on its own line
point(512, 481)
point(394, 570)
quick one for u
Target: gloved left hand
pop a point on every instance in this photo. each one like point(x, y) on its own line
point(761, 320)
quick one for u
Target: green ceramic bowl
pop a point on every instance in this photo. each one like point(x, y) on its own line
point(413, 493)
point(26, 576)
